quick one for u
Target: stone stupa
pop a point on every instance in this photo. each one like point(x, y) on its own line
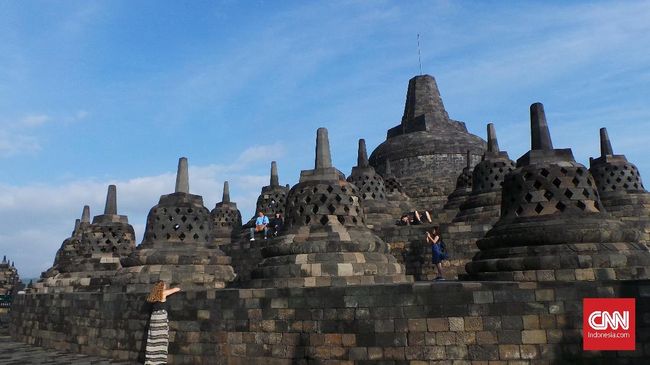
point(326, 241)
point(621, 189)
point(427, 150)
point(273, 197)
point(553, 225)
point(226, 219)
point(481, 208)
point(9, 279)
point(89, 259)
point(177, 246)
point(70, 248)
point(377, 208)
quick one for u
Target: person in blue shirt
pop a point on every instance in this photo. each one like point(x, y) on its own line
point(261, 224)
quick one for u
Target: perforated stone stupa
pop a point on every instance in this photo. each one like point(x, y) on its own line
point(9, 279)
point(481, 208)
point(427, 150)
point(326, 242)
point(484, 203)
point(273, 198)
point(553, 225)
point(394, 188)
point(377, 208)
point(177, 246)
point(621, 189)
point(64, 261)
point(91, 256)
point(226, 218)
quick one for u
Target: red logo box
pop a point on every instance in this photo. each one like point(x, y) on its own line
point(608, 324)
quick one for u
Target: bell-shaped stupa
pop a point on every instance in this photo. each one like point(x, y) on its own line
point(326, 241)
point(177, 245)
point(427, 149)
point(9, 279)
point(621, 189)
point(553, 225)
point(89, 259)
point(226, 219)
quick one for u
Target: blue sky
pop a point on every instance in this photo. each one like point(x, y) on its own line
point(99, 92)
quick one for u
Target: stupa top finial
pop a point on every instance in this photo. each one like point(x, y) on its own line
point(111, 200)
point(605, 144)
point(182, 177)
point(539, 132)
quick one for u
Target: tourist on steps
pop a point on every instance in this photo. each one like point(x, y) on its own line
point(261, 224)
point(438, 251)
point(277, 223)
point(415, 218)
point(158, 333)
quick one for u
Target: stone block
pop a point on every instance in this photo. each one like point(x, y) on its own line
point(533, 337)
point(531, 322)
point(417, 325)
point(529, 352)
point(456, 324)
point(509, 352)
point(473, 323)
point(437, 324)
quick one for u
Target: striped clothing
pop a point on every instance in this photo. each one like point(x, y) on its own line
point(157, 338)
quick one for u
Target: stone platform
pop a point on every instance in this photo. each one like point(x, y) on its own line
point(423, 323)
point(16, 353)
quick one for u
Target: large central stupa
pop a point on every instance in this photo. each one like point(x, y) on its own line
point(427, 150)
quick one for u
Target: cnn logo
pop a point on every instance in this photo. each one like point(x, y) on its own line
point(602, 320)
point(608, 324)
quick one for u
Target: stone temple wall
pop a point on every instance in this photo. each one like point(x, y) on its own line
point(426, 323)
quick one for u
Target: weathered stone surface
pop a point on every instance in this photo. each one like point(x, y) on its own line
point(177, 245)
point(272, 198)
point(553, 225)
point(462, 191)
point(226, 219)
point(378, 209)
point(427, 149)
point(324, 291)
point(90, 257)
point(12, 352)
point(9, 279)
point(390, 324)
point(481, 208)
point(326, 241)
point(621, 189)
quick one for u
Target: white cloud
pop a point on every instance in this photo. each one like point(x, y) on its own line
point(42, 216)
point(35, 120)
point(15, 140)
point(260, 153)
point(15, 144)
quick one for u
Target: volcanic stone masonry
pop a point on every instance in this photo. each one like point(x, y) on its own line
point(427, 150)
point(335, 286)
point(91, 256)
point(226, 219)
point(463, 189)
point(246, 254)
point(379, 211)
point(481, 209)
point(620, 188)
point(177, 246)
point(553, 225)
point(273, 198)
point(326, 241)
point(9, 278)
